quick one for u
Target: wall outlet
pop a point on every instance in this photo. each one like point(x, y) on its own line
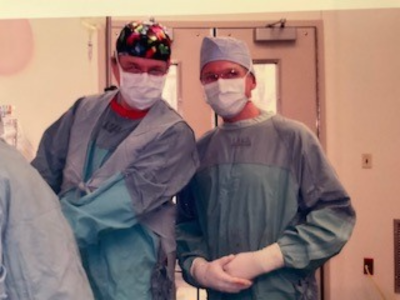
point(366, 161)
point(368, 264)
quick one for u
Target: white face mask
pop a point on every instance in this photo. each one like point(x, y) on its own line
point(142, 90)
point(227, 97)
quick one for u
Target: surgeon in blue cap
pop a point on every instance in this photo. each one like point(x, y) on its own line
point(265, 208)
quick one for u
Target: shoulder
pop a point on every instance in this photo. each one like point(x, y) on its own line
point(182, 128)
point(172, 126)
point(169, 117)
point(203, 142)
point(291, 130)
point(13, 164)
point(165, 109)
point(107, 96)
point(94, 101)
point(286, 125)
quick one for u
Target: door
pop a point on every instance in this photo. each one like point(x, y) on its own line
point(288, 70)
point(294, 62)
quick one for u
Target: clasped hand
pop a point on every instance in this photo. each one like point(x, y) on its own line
point(234, 273)
point(248, 265)
point(213, 275)
point(244, 265)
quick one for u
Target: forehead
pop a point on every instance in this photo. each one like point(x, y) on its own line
point(140, 61)
point(219, 65)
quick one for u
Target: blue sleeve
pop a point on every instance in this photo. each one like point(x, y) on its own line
point(189, 236)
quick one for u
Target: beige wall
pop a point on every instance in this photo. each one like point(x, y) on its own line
point(362, 83)
point(57, 74)
point(363, 102)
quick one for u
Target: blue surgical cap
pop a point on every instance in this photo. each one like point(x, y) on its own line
point(225, 48)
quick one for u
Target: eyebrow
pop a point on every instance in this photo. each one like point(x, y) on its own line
point(132, 64)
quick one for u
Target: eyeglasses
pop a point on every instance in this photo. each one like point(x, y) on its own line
point(135, 69)
point(226, 74)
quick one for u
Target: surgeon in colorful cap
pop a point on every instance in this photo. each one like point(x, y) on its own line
point(265, 209)
point(116, 160)
point(39, 258)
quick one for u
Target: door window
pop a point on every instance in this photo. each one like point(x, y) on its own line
point(265, 93)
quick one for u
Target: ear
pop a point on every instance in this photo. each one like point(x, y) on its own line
point(253, 82)
point(168, 62)
point(250, 85)
point(115, 69)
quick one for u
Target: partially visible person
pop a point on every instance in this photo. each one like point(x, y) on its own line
point(39, 258)
point(116, 160)
point(265, 208)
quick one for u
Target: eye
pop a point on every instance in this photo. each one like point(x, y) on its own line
point(230, 74)
point(132, 68)
point(156, 72)
point(208, 78)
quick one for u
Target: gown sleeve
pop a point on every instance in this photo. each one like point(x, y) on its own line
point(189, 236)
point(53, 148)
point(325, 217)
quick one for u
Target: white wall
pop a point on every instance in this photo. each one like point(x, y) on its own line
point(362, 82)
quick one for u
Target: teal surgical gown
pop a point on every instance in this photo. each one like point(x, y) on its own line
point(116, 177)
point(261, 181)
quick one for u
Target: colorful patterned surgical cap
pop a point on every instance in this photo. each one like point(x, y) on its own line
point(145, 39)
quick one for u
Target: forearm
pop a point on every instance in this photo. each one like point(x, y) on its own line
point(310, 244)
point(255, 263)
point(190, 245)
point(213, 275)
